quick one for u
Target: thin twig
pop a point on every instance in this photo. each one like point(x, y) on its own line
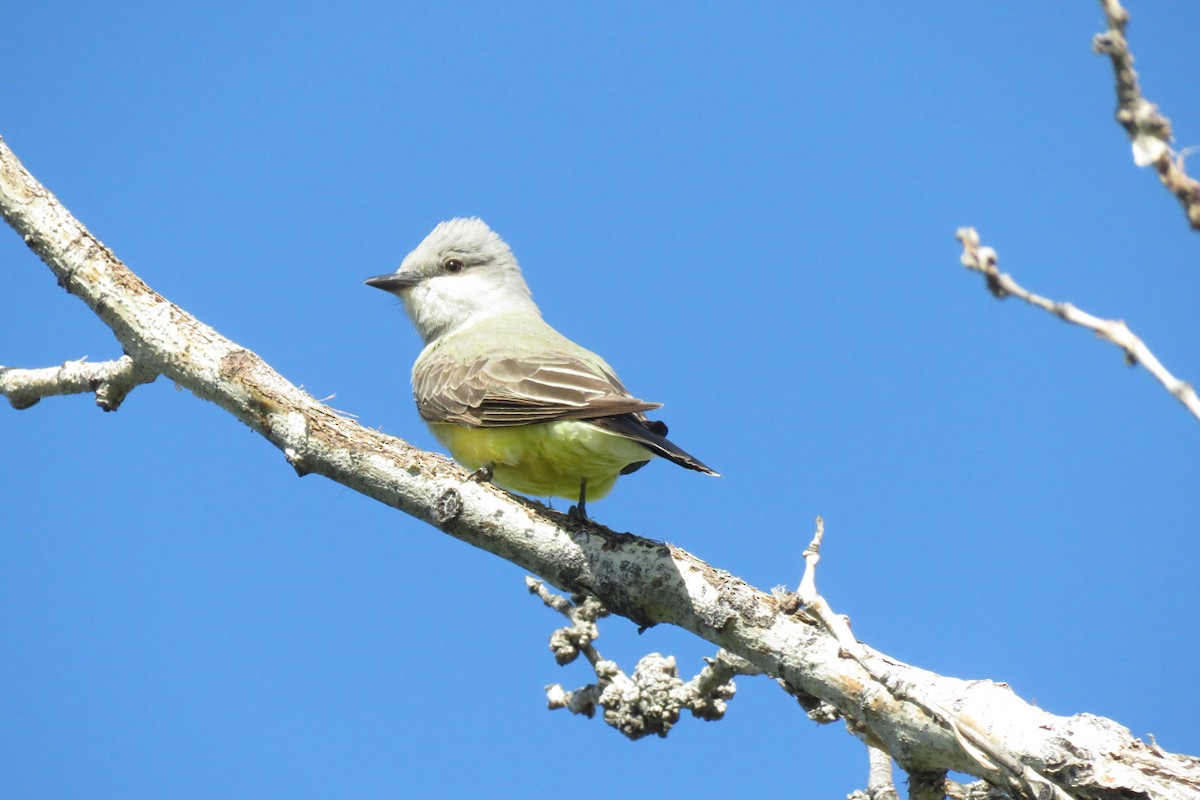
point(111, 381)
point(1149, 130)
point(985, 261)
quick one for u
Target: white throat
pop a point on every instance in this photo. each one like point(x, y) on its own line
point(441, 305)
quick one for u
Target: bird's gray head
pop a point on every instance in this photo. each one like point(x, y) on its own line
point(461, 273)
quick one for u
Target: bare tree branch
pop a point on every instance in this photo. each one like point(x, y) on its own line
point(1149, 130)
point(880, 784)
point(111, 381)
point(643, 580)
point(989, 755)
point(985, 261)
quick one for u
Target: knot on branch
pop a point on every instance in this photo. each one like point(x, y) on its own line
point(448, 506)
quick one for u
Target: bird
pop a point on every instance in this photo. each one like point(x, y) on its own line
point(509, 396)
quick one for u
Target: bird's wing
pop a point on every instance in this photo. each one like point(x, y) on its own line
point(497, 387)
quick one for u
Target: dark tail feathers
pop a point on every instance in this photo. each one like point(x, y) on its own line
point(652, 434)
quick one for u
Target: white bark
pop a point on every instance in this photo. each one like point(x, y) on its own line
point(648, 582)
point(110, 380)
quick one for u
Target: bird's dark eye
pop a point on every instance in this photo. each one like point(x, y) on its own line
point(452, 265)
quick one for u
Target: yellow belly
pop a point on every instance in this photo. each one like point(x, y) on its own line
point(544, 460)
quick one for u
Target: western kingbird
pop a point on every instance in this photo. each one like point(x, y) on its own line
point(507, 394)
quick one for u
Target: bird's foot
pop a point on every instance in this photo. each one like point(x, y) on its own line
point(482, 475)
point(579, 513)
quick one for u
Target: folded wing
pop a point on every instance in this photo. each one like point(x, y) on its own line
point(500, 392)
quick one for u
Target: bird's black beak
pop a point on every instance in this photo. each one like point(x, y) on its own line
point(392, 282)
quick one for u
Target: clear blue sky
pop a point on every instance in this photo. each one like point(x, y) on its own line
point(751, 214)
